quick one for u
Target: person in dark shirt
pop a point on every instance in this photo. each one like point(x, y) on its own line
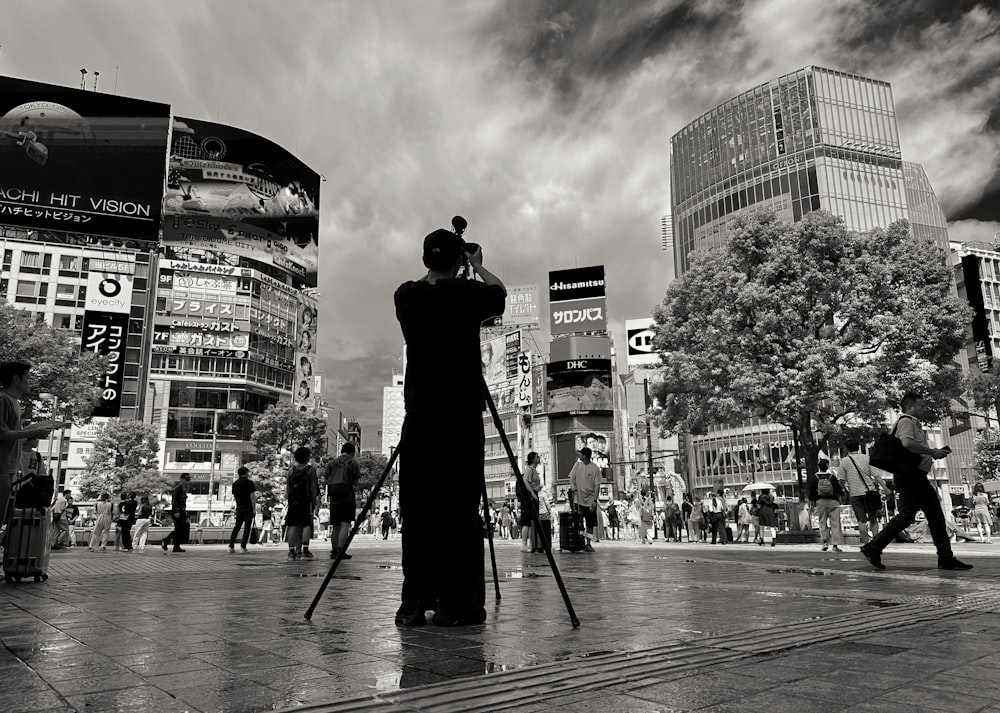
point(178, 511)
point(440, 316)
point(243, 490)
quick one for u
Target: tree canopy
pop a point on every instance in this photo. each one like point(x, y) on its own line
point(124, 459)
point(58, 365)
point(276, 434)
point(808, 325)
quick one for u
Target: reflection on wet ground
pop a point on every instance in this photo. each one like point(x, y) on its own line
point(213, 631)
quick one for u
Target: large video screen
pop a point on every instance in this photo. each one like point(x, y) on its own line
point(82, 162)
point(235, 192)
point(579, 385)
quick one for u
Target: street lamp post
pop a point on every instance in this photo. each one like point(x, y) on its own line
point(649, 452)
point(53, 468)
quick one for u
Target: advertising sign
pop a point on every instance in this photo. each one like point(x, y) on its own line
point(202, 308)
point(587, 315)
point(576, 284)
point(236, 192)
point(639, 339)
point(305, 393)
point(499, 357)
point(109, 292)
point(81, 161)
point(104, 333)
point(522, 308)
point(579, 385)
point(599, 445)
point(525, 383)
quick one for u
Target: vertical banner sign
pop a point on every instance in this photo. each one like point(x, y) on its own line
point(304, 393)
point(105, 326)
point(639, 339)
point(104, 333)
point(980, 320)
point(525, 384)
point(512, 350)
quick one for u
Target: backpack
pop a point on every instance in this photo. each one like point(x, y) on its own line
point(338, 481)
point(298, 486)
point(824, 485)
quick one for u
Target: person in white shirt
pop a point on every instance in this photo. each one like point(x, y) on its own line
point(715, 506)
point(584, 480)
point(863, 485)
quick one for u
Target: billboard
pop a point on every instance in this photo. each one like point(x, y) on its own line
point(307, 388)
point(105, 333)
point(578, 385)
point(639, 340)
point(234, 192)
point(599, 444)
point(499, 358)
point(576, 284)
point(586, 315)
point(521, 310)
point(81, 161)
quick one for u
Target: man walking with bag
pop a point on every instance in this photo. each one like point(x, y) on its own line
point(861, 481)
point(915, 489)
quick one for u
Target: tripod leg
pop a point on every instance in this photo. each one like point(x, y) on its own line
point(354, 531)
point(489, 533)
point(533, 510)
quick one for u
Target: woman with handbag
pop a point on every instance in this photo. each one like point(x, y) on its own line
point(863, 484)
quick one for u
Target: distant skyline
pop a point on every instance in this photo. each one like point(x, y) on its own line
point(546, 124)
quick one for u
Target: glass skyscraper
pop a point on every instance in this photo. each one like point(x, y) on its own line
point(812, 139)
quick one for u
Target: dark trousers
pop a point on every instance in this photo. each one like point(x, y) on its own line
point(718, 522)
point(244, 517)
point(125, 528)
point(914, 492)
point(180, 532)
point(385, 532)
point(446, 574)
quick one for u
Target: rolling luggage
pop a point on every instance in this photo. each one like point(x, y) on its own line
point(729, 534)
point(26, 550)
point(570, 531)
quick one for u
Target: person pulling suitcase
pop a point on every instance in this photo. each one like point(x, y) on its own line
point(584, 480)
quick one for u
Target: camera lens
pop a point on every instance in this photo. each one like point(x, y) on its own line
point(471, 248)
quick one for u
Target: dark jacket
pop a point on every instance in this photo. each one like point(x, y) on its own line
point(813, 485)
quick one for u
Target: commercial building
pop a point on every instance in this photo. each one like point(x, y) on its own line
point(393, 414)
point(194, 264)
point(812, 139)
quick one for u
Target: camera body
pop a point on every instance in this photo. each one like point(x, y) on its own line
point(471, 248)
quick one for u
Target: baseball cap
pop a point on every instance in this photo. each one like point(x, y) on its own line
point(442, 247)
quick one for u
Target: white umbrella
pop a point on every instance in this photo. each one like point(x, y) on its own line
point(758, 486)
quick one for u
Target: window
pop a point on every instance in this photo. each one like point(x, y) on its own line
point(26, 288)
point(62, 321)
point(47, 260)
point(65, 292)
point(69, 262)
point(31, 259)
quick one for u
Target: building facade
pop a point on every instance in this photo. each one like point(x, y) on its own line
point(812, 139)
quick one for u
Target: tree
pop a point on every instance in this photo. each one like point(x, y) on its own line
point(986, 455)
point(276, 434)
point(371, 466)
point(124, 459)
point(984, 388)
point(58, 365)
point(808, 325)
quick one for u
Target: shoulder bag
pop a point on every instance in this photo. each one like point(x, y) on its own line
point(873, 501)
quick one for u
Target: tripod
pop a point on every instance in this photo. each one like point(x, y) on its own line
point(532, 511)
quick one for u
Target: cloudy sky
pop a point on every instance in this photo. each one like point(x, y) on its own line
point(546, 124)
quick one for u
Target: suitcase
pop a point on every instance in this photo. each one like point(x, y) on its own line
point(729, 534)
point(570, 531)
point(26, 550)
point(536, 540)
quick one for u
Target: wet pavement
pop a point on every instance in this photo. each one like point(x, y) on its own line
point(664, 627)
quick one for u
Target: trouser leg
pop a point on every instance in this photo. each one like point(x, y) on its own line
point(906, 511)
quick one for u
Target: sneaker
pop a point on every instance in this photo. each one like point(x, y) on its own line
point(232, 548)
point(587, 548)
point(874, 558)
point(178, 549)
point(837, 549)
point(307, 555)
point(292, 555)
point(825, 548)
point(243, 548)
point(104, 549)
point(91, 549)
point(953, 563)
point(163, 546)
point(406, 617)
